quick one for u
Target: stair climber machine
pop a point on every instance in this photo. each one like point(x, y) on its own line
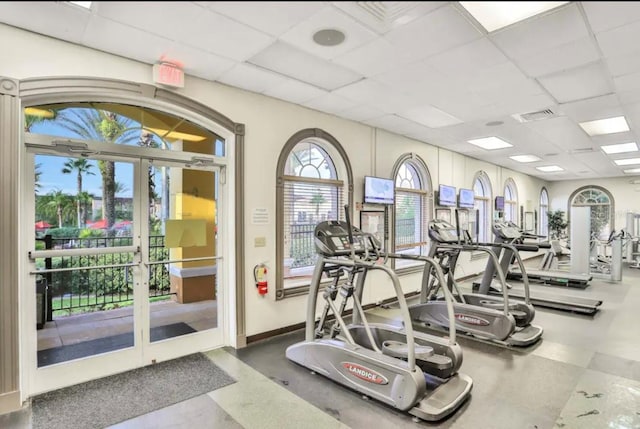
point(411, 371)
point(545, 275)
point(506, 232)
point(489, 319)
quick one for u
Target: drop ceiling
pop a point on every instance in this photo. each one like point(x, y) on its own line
point(427, 70)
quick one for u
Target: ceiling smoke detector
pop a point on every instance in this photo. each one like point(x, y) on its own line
point(328, 37)
point(534, 116)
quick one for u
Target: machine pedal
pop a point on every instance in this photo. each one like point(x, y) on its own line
point(400, 350)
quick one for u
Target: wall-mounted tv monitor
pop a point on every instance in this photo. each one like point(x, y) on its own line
point(378, 190)
point(466, 198)
point(447, 196)
point(500, 204)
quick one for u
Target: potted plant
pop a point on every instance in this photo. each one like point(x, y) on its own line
point(557, 224)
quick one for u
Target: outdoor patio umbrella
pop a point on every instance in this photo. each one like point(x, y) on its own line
point(42, 225)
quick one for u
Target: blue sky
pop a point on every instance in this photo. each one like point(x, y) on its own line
point(53, 179)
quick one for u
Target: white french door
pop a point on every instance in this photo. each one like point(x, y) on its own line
point(113, 292)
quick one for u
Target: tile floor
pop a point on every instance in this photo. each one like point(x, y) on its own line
point(584, 374)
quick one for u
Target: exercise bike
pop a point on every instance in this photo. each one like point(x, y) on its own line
point(412, 372)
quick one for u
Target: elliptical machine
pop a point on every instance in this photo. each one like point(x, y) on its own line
point(490, 319)
point(412, 372)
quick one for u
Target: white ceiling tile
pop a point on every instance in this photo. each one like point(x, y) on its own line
point(222, 36)
point(197, 62)
point(372, 58)
point(623, 64)
point(201, 28)
point(301, 35)
point(607, 106)
point(252, 78)
point(629, 97)
point(433, 33)
point(377, 95)
point(523, 104)
point(577, 84)
point(148, 48)
point(628, 82)
point(430, 116)
point(264, 16)
point(362, 113)
point(607, 15)
point(537, 35)
point(330, 103)
point(385, 16)
point(295, 92)
point(395, 124)
point(161, 21)
point(558, 58)
point(290, 61)
point(562, 132)
point(55, 19)
point(619, 41)
point(468, 58)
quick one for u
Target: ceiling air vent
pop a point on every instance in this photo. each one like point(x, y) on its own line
point(383, 16)
point(580, 150)
point(534, 116)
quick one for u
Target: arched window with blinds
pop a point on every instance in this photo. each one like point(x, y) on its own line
point(314, 183)
point(511, 201)
point(482, 205)
point(413, 207)
point(544, 212)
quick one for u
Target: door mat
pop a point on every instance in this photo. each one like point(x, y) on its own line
point(114, 399)
point(107, 344)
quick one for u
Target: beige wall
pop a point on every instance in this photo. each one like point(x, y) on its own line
point(269, 123)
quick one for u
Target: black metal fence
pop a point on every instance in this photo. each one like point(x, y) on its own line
point(302, 250)
point(92, 282)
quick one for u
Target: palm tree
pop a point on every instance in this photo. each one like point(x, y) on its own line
point(38, 174)
point(43, 115)
point(317, 200)
point(103, 126)
point(83, 199)
point(80, 166)
point(59, 201)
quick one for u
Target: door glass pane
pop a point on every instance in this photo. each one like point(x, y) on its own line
point(85, 308)
point(182, 226)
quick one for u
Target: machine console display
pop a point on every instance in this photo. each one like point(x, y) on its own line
point(506, 230)
point(332, 239)
point(442, 231)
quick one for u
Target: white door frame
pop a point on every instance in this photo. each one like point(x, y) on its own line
point(37, 380)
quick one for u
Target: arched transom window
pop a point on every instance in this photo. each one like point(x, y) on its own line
point(601, 203)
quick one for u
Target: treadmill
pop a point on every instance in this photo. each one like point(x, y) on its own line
point(509, 233)
point(544, 276)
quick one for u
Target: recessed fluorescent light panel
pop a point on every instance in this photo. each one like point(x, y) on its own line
point(490, 143)
point(525, 158)
point(550, 168)
point(84, 4)
point(632, 171)
point(620, 148)
point(628, 161)
point(494, 15)
point(605, 126)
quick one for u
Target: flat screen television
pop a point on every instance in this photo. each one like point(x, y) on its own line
point(378, 190)
point(466, 198)
point(500, 204)
point(447, 196)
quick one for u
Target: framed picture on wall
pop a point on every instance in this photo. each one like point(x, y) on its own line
point(373, 223)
